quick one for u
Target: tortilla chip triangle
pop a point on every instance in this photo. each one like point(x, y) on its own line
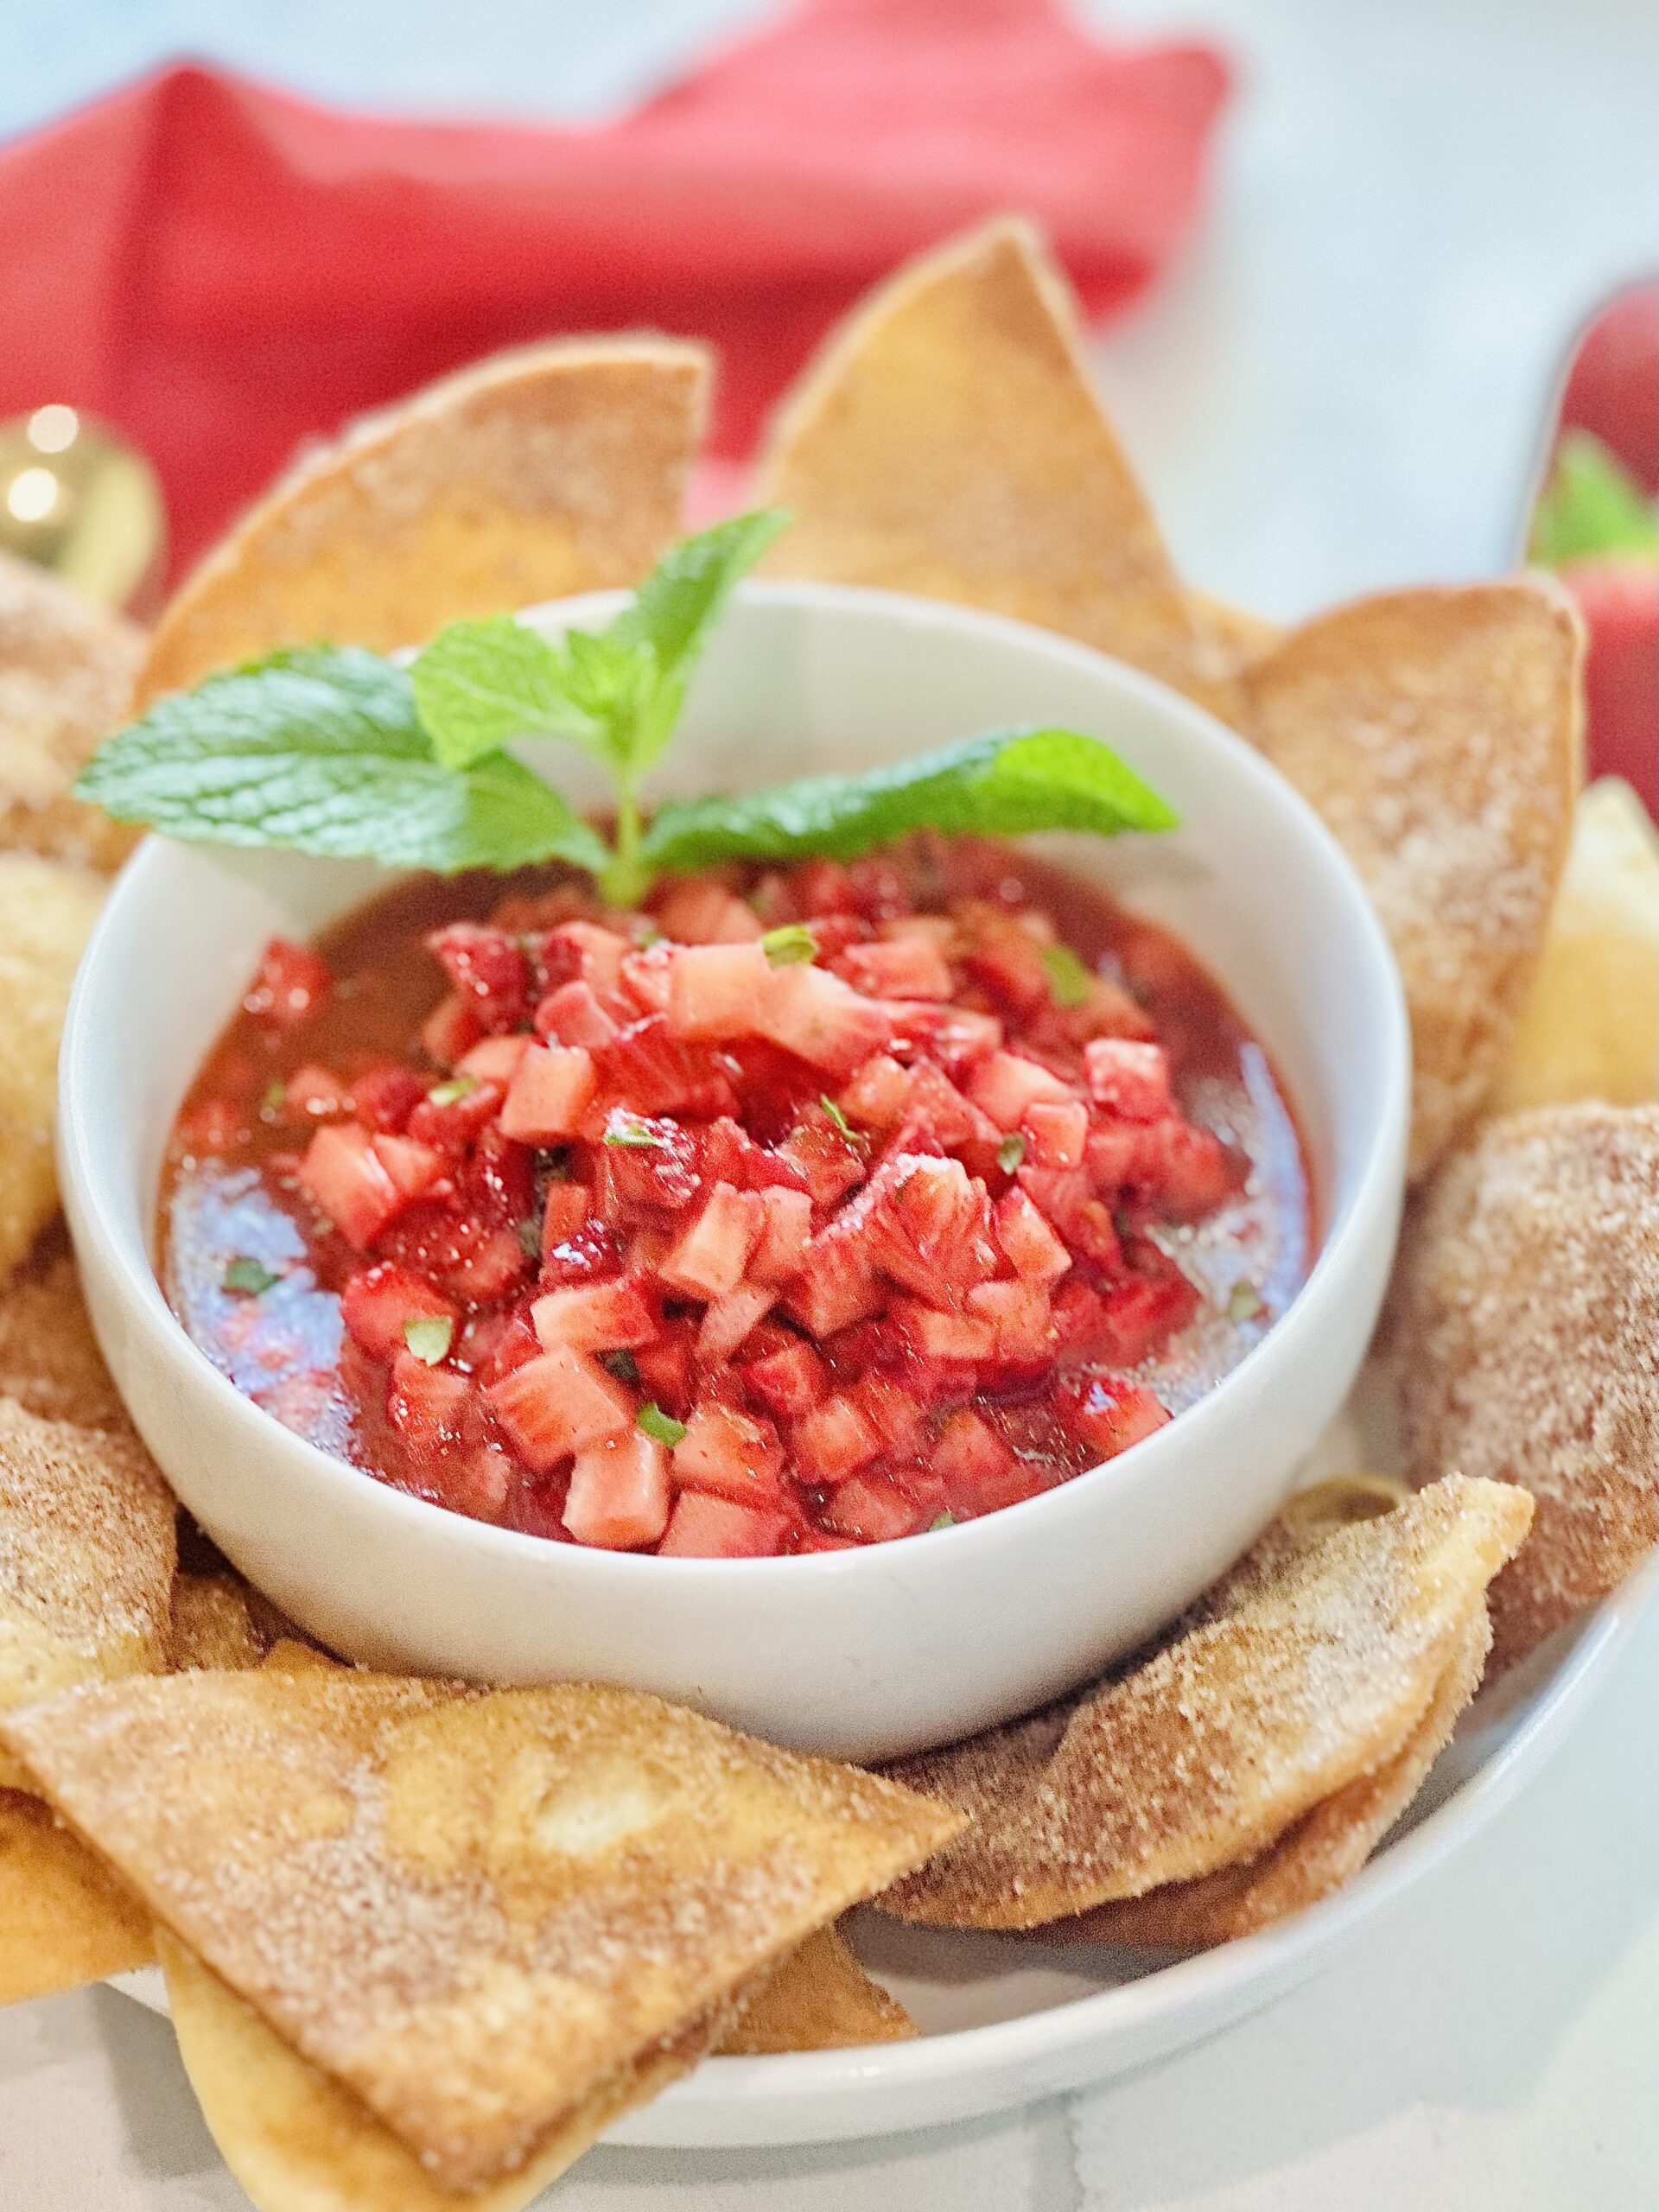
point(948, 441)
point(65, 1918)
point(554, 469)
point(1317, 1672)
point(49, 1359)
point(821, 1999)
point(1317, 1855)
point(1437, 732)
point(1523, 1323)
point(298, 2141)
point(1590, 1027)
point(472, 1910)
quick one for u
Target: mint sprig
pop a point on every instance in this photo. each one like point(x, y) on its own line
point(342, 752)
point(1592, 508)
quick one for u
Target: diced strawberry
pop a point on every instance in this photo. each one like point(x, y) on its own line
point(646, 977)
point(1028, 1242)
point(452, 1120)
point(729, 1321)
point(1107, 1417)
point(646, 1069)
point(414, 1168)
point(875, 1097)
point(730, 1154)
point(703, 1526)
point(488, 1265)
point(536, 1506)
point(475, 1482)
point(1130, 1079)
point(910, 967)
point(1191, 1171)
point(872, 1510)
point(1005, 956)
point(596, 1317)
point(1055, 1132)
point(961, 1038)
point(492, 1344)
point(815, 1015)
point(385, 1097)
point(590, 1253)
point(820, 1540)
point(582, 951)
point(824, 888)
point(558, 1404)
point(1056, 1192)
point(644, 1160)
point(927, 1223)
point(1019, 1314)
point(837, 1282)
point(498, 1179)
point(701, 911)
point(487, 970)
point(831, 1162)
point(785, 1230)
point(349, 1184)
point(1109, 1011)
point(427, 1405)
point(714, 991)
point(938, 1335)
point(1142, 1313)
point(667, 1369)
point(548, 1094)
point(1116, 1155)
point(619, 1492)
point(739, 1454)
point(494, 1059)
point(291, 982)
point(453, 1028)
point(710, 1258)
point(880, 886)
point(788, 1383)
point(1004, 1085)
point(315, 1091)
point(573, 1015)
point(830, 1442)
point(377, 1302)
point(968, 1454)
point(564, 1211)
point(892, 1409)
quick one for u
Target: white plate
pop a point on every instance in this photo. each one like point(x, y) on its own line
point(1005, 2021)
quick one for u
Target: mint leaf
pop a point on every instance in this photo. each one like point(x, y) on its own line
point(429, 1336)
point(657, 1424)
point(1068, 979)
point(479, 685)
point(1011, 1152)
point(249, 1277)
point(1591, 507)
point(679, 602)
point(322, 750)
point(1001, 786)
point(790, 945)
point(841, 1126)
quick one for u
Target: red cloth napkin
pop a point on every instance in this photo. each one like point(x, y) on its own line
point(222, 270)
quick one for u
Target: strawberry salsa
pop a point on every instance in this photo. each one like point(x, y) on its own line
point(804, 1209)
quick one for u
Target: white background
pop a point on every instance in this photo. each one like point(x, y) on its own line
point(1339, 387)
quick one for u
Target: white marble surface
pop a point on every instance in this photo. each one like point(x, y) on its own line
point(1338, 388)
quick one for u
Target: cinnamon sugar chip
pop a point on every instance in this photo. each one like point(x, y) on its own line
point(948, 441)
point(1437, 732)
point(221, 1622)
point(299, 2142)
point(1525, 1337)
point(46, 913)
point(65, 1918)
point(821, 1999)
point(49, 1359)
point(470, 1909)
point(66, 672)
point(553, 469)
point(1316, 1671)
point(86, 1556)
point(1316, 1854)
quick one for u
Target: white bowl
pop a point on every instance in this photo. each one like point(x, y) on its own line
point(860, 1653)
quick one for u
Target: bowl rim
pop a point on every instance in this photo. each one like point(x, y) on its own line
point(1378, 1179)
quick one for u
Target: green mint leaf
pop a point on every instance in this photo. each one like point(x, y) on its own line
point(1244, 1302)
point(323, 751)
point(429, 1336)
point(1068, 979)
point(791, 946)
point(622, 1365)
point(843, 1128)
point(675, 608)
point(449, 1094)
point(479, 685)
point(629, 1131)
point(946, 1520)
point(1011, 1152)
point(1591, 507)
point(1004, 784)
point(249, 1277)
point(664, 1426)
point(273, 1099)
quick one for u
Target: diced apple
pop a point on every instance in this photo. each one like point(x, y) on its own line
point(558, 1404)
point(619, 1492)
point(711, 1257)
point(548, 1094)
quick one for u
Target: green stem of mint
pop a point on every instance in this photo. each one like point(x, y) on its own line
point(627, 878)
